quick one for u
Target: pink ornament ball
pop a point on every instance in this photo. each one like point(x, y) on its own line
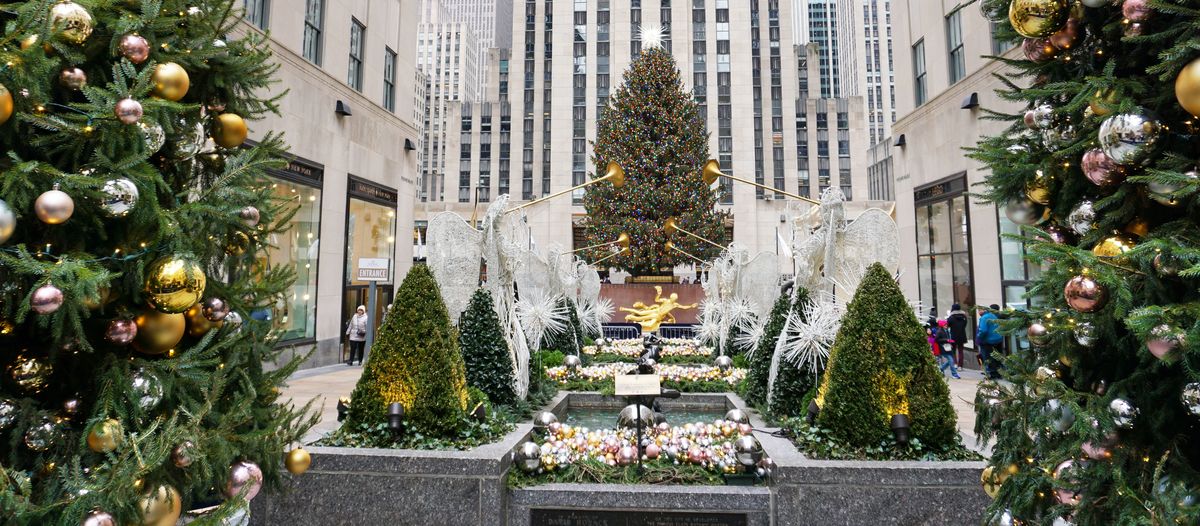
point(1136, 10)
point(128, 111)
point(245, 480)
point(46, 299)
point(652, 451)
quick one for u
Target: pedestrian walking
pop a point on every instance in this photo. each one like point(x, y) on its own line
point(941, 336)
point(988, 339)
point(356, 333)
point(958, 332)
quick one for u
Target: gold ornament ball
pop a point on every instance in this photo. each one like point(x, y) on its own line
point(160, 506)
point(6, 104)
point(1139, 227)
point(54, 207)
point(298, 460)
point(158, 332)
point(991, 484)
point(1187, 87)
point(237, 244)
point(32, 375)
point(171, 81)
point(197, 324)
point(230, 130)
point(1102, 101)
point(174, 283)
point(105, 436)
point(1115, 245)
point(1038, 190)
point(71, 21)
point(1038, 18)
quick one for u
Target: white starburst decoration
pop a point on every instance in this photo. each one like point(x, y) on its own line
point(651, 35)
point(808, 338)
point(540, 314)
point(749, 336)
point(710, 326)
point(594, 314)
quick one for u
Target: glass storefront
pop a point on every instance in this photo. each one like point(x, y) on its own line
point(944, 245)
point(295, 314)
point(370, 233)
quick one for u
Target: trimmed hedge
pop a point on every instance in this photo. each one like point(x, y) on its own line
point(879, 364)
point(414, 361)
point(759, 371)
point(484, 351)
point(793, 382)
point(570, 340)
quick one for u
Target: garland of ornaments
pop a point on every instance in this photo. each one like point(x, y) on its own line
point(1052, 30)
point(174, 284)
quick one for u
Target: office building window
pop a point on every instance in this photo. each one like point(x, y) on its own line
point(919, 77)
point(314, 24)
point(999, 46)
point(944, 245)
point(257, 11)
point(389, 79)
point(354, 76)
point(954, 40)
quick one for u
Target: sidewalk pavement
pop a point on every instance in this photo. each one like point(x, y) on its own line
point(329, 383)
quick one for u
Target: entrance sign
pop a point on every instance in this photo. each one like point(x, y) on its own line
point(374, 269)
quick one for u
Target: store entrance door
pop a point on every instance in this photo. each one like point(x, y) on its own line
point(356, 295)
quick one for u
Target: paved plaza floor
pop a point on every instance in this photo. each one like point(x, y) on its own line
point(329, 383)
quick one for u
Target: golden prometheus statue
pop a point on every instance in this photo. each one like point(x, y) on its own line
point(651, 316)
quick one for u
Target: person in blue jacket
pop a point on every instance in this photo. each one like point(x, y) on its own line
point(989, 339)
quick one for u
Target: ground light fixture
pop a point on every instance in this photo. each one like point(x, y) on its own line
point(343, 407)
point(900, 428)
point(395, 417)
point(813, 411)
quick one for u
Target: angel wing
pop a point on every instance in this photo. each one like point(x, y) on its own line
point(758, 283)
point(871, 238)
point(454, 249)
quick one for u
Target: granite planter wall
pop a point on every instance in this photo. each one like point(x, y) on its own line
point(379, 486)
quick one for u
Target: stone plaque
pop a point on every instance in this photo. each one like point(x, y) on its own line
point(550, 517)
point(637, 385)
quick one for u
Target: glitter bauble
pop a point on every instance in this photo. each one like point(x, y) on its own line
point(1123, 412)
point(31, 375)
point(119, 197)
point(1100, 169)
point(249, 216)
point(1083, 218)
point(230, 130)
point(72, 78)
point(183, 454)
point(105, 436)
point(153, 136)
point(1129, 138)
point(1085, 294)
point(1038, 18)
point(170, 80)
point(297, 461)
point(1115, 245)
point(1187, 87)
point(215, 309)
point(1085, 334)
point(158, 332)
point(147, 389)
point(42, 435)
point(128, 111)
point(135, 48)
point(8, 221)
point(8, 412)
point(71, 21)
point(1190, 396)
point(54, 207)
point(174, 283)
point(46, 299)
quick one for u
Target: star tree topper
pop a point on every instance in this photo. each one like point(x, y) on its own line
point(651, 35)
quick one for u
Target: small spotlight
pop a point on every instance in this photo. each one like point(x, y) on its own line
point(813, 411)
point(343, 407)
point(900, 428)
point(395, 416)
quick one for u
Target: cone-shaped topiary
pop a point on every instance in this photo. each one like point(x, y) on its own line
point(881, 366)
point(414, 361)
point(484, 351)
point(792, 381)
point(755, 386)
point(570, 339)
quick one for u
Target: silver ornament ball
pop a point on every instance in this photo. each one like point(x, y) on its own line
point(120, 196)
point(1083, 218)
point(214, 309)
point(1096, 3)
point(8, 222)
point(748, 450)
point(528, 457)
point(1025, 212)
point(1085, 334)
point(1040, 117)
point(8, 412)
point(737, 416)
point(1061, 416)
point(628, 417)
point(249, 216)
point(724, 363)
point(543, 419)
point(1123, 412)
point(42, 435)
point(98, 518)
point(147, 389)
point(1190, 396)
point(153, 135)
point(128, 111)
point(572, 362)
point(1128, 138)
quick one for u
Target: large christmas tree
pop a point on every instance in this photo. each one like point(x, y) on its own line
point(1098, 423)
point(654, 130)
point(132, 225)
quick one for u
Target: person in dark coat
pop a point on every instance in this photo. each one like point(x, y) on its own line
point(931, 322)
point(958, 320)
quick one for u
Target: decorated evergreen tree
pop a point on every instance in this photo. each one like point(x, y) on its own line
point(415, 361)
point(653, 129)
point(485, 353)
point(568, 340)
point(1098, 420)
point(793, 382)
point(880, 366)
point(754, 389)
point(133, 224)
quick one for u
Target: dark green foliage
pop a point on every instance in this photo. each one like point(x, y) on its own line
point(794, 382)
point(591, 471)
point(217, 389)
point(881, 353)
point(485, 353)
point(654, 130)
point(817, 443)
point(414, 361)
point(1154, 284)
point(759, 371)
point(570, 339)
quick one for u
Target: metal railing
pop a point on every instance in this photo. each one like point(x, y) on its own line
point(622, 331)
point(677, 331)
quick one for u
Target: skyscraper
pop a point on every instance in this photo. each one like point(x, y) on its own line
point(446, 55)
